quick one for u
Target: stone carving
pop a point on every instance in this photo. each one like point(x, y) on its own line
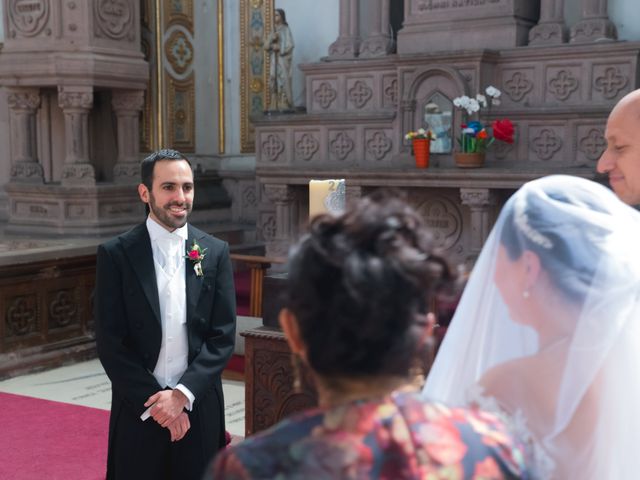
point(518, 86)
point(546, 33)
point(610, 83)
point(272, 148)
point(391, 92)
point(593, 29)
point(249, 197)
point(341, 146)
point(476, 197)
point(502, 149)
point(127, 100)
point(127, 170)
point(307, 146)
point(563, 84)
point(429, 5)
point(22, 316)
point(268, 227)
point(27, 170)
point(27, 101)
point(28, 17)
point(63, 310)
point(443, 219)
point(593, 144)
point(325, 95)
point(78, 172)
point(74, 100)
point(282, 194)
point(379, 145)
point(116, 210)
point(344, 48)
point(114, 19)
point(179, 51)
point(546, 144)
point(360, 94)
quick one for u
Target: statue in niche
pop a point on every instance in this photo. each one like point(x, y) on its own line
point(279, 45)
point(438, 117)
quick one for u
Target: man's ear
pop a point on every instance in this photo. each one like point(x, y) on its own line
point(289, 325)
point(143, 191)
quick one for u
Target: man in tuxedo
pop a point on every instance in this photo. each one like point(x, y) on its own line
point(165, 329)
point(621, 159)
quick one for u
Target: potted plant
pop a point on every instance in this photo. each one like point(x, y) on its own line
point(420, 146)
point(475, 137)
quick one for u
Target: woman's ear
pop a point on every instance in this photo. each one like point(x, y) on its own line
point(532, 268)
point(289, 325)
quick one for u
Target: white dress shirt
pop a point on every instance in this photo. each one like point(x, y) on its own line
point(169, 250)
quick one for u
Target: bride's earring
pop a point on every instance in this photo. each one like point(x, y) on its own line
point(525, 294)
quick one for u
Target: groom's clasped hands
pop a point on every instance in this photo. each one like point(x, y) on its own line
point(167, 409)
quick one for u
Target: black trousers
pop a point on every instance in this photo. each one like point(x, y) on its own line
point(143, 450)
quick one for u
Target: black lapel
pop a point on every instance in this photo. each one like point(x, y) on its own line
point(137, 247)
point(193, 283)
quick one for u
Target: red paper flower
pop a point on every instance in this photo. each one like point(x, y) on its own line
point(503, 130)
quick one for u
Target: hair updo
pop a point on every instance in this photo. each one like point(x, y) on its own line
point(358, 285)
point(553, 221)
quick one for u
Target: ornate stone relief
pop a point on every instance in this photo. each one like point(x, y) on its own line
point(360, 94)
point(249, 199)
point(79, 172)
point(63, 309)
point(74, 100)
point(114, 19)
point(610, 83)
point(444, 220)
point(131, 100)
point(390, 91)
point(28, 101)
point(325, 95)
point(592, 144)
point(268, 226)
point(27, 170)
point(28, 18)
point(379, 145)
point(272, 148)
point(517, 86)
point(502, 149)
point(546, 33)
point(563, 84)
point(279, 193)
point(127, 170)
point(306, 147)
point(593, 29)
point(341, 146)
point(546, 144)
point(21, 316)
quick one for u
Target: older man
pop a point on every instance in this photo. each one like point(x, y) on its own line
point(621, 159)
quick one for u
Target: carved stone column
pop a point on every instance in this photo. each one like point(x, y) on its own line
point(24, 104)
point(285, 199)
point(348, 41)
point(76, 103)
point(480, 201)
point(380, 41)
point(127, 105)
point(595, 25)
point(550, 29)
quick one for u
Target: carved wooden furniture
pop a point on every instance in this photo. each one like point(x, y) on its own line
point(46, 311)
point(269, 394)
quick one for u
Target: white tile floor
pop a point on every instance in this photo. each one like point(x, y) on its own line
point(86, 384)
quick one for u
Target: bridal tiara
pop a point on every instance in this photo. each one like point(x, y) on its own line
point(522, 222)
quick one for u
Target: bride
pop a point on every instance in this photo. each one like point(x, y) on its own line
point(547, 332)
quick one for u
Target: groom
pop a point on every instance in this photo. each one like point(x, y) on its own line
point(165, 327)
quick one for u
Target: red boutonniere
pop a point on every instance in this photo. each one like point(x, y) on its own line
point(196, 255)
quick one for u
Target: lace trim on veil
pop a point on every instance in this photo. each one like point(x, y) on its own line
point(516, 423)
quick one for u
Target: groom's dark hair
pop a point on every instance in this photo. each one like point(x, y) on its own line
point(148, 164)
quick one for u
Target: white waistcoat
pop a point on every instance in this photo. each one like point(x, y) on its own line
point(172, 361)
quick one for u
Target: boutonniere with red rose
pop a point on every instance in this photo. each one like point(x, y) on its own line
point(196, 255)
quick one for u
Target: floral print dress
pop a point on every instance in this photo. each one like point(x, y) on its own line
point(398, 437)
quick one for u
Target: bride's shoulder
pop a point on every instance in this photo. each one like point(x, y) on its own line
point(505, 377)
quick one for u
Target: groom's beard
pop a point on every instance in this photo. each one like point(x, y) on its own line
point(163, 214)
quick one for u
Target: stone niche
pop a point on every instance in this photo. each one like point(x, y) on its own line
point(432, 25)
point(75, 78)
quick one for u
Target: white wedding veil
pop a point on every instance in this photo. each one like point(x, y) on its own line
point(562, 349)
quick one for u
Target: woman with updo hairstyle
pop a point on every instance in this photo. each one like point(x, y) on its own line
point(356, 317)
point(547, 332)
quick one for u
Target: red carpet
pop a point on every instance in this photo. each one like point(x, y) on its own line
point(42, 439)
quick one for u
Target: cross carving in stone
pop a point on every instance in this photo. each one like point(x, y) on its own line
point(518, 86)
point(360, 94)
point(563, 84)
point(306, 146)
point(611, 82)
point(342, 145)
point(325, 94)
point(546, 144)
point(272, 147)
point(593, 144)
point(20, 316)
point(379, 145)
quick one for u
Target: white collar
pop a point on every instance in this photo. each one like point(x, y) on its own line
point(157, 231)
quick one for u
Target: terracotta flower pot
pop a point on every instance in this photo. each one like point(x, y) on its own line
point(469, 160)
point(421, 148)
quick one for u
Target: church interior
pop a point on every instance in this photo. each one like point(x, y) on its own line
point(90, 88)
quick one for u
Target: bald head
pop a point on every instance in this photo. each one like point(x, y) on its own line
point(621, 159)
